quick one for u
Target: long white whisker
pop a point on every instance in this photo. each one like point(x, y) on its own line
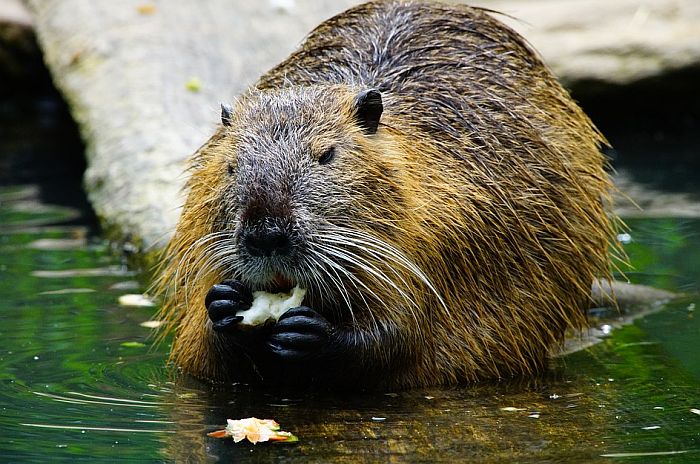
point(337, 281)
point(214, 257)
point(354, 280)
point(186, 256)
point(345, 236)
point(375, 254)
point(362, 263)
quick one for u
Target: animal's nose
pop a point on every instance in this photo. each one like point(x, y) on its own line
point(267, 243)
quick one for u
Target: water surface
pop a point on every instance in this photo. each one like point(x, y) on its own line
point(82, 380)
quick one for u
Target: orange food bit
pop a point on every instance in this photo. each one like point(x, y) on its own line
point(255, 430)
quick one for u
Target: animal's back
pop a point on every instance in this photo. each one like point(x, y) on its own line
point(451, 70)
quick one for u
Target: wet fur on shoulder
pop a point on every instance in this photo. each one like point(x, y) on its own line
point(470, 226)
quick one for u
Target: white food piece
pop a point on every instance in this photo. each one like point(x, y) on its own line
point(136, 301)
point(268, 306)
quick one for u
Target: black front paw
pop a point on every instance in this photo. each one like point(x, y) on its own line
point(300, 334)
point(224, 300)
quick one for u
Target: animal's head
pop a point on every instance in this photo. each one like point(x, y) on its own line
point(295, 188)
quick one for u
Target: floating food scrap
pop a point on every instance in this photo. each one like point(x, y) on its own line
point(255, 430)
point(153, 324)
point(136, 300)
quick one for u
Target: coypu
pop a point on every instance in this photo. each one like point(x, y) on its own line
point(421, 173)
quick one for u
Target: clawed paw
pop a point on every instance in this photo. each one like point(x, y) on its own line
point(224, 300)
point(300, 333)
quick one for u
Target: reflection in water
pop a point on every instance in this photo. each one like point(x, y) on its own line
point(495, 421)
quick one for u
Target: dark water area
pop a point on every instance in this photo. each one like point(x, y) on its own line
point(83, 380)
point(653, 125)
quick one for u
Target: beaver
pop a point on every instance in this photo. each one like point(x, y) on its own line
point(418, 170)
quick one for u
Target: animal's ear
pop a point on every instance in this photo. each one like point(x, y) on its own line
point(226, 112)
point(368, 110)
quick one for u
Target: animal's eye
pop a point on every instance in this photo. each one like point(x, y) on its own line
point(327, 156)
point(230, 169)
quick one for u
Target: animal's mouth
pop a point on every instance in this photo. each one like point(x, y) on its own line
point(281, 284)
point(268, 280)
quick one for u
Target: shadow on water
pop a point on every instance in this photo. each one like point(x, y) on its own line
point(41, 151)
point(82, 381)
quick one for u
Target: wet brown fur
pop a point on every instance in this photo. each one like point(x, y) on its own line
point(484, 173)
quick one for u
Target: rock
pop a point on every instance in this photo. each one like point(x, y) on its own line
point(615, 41)
point(144, 79)
point(634, 199)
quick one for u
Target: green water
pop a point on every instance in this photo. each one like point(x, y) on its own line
point(82, 380)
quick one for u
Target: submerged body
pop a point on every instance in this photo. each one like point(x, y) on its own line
point(417, 169)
